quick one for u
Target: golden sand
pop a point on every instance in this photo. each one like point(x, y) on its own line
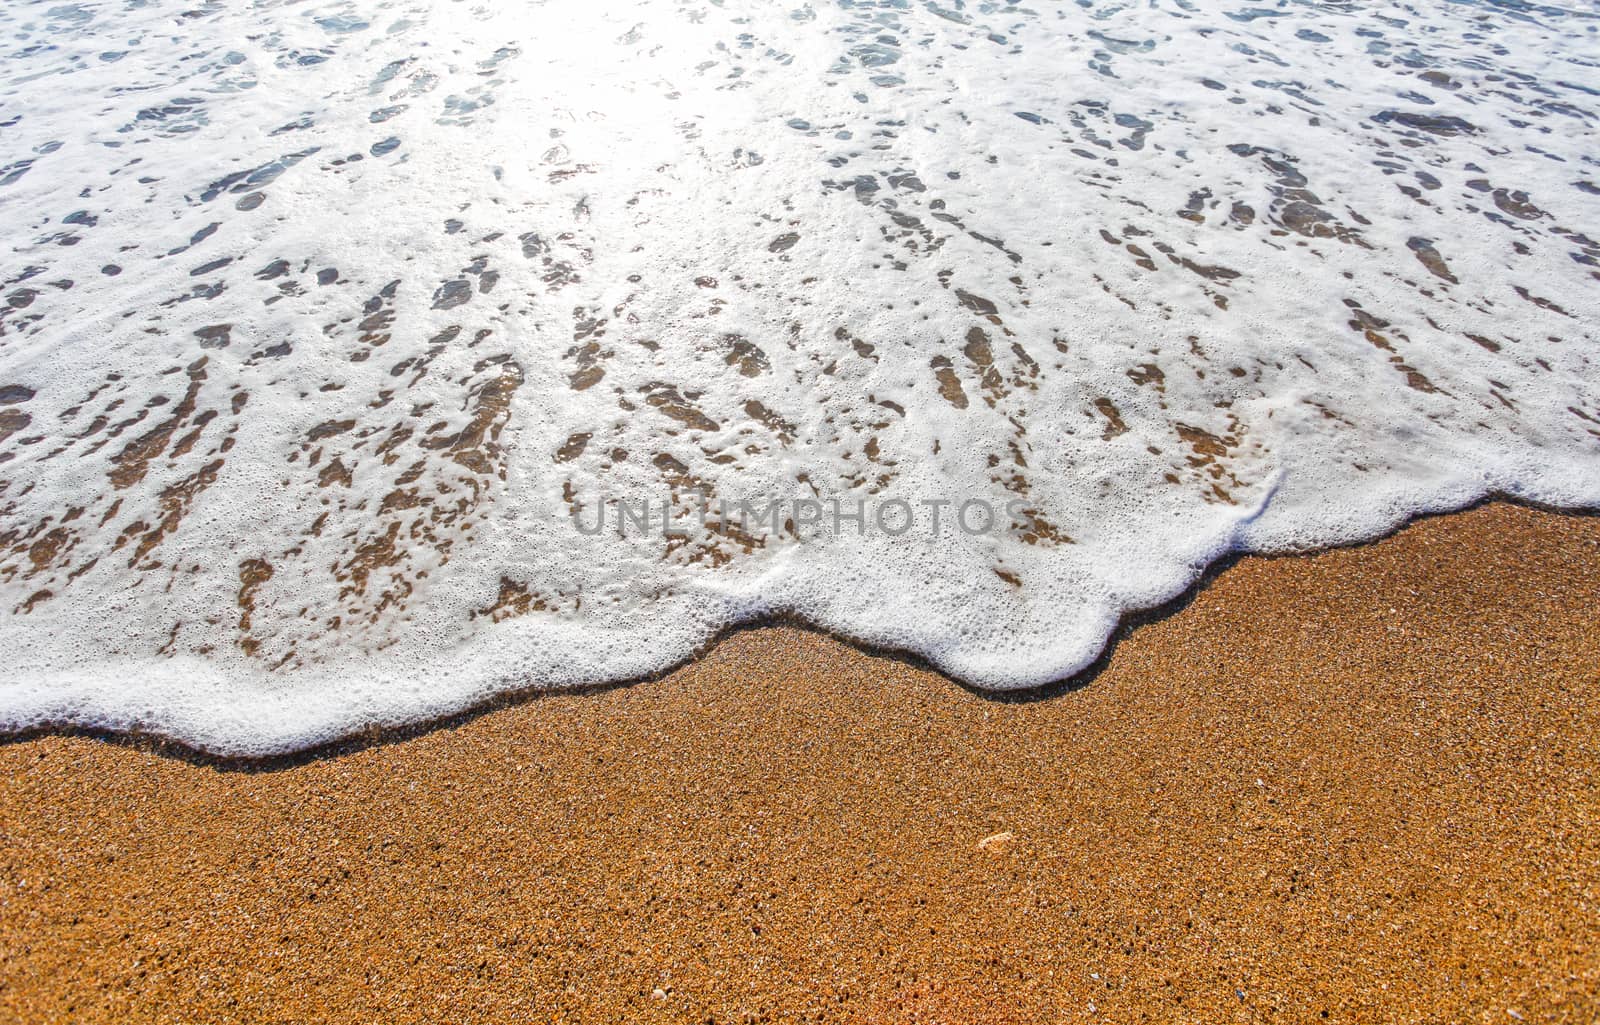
point(1354, 787)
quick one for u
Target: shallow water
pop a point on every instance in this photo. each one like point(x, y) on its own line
point(327, 331)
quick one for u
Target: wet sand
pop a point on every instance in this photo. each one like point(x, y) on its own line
point(1353, 787)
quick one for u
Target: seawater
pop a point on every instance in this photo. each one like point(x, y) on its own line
point(324, 326)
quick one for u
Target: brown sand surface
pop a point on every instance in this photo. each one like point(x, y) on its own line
point(1354, 787)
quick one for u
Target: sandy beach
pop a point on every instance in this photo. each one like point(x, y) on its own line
point(1359, 786)
point(406, 408)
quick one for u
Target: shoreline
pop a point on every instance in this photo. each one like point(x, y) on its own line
point(376, 735)
point(1361, 782)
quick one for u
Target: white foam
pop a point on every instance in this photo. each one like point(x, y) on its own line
point(1246, 279)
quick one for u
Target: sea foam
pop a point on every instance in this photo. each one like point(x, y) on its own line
point(319, 323)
